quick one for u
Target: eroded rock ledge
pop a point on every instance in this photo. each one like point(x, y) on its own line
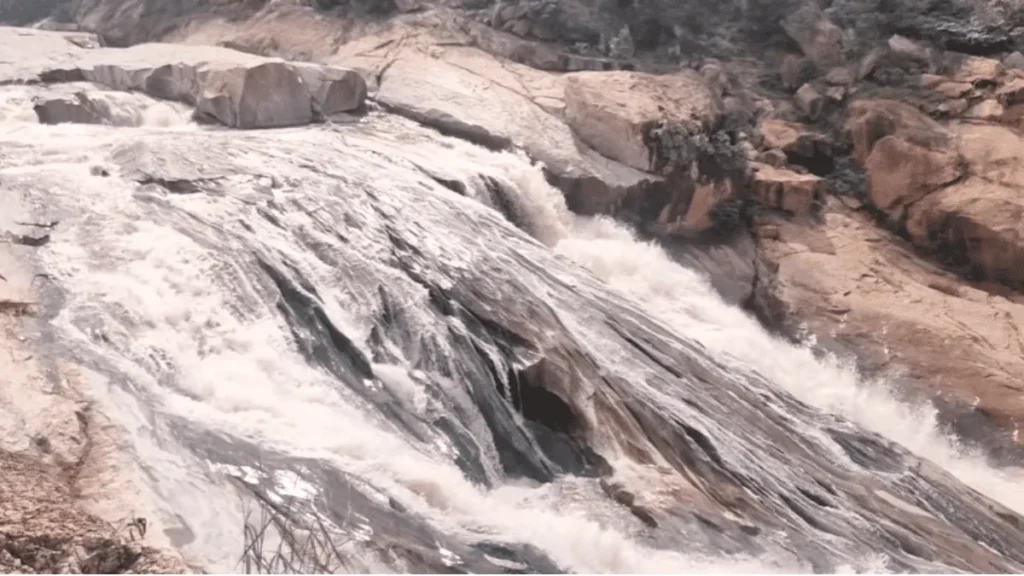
point(232, 88)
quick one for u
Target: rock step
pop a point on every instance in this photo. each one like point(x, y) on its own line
point(232, 88)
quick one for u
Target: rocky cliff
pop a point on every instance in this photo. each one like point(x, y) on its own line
point(850, 171)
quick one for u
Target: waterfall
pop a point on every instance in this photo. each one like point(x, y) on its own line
point(411, 339)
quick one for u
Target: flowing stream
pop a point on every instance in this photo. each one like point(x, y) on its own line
point(409, 339)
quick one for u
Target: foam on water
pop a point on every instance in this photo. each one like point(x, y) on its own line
point(236, 368)
point(233, 367)
point(686, 302)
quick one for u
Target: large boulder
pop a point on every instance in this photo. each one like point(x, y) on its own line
point(614, 112)
point(785, 189)
point(494, 103)
point(868, 121)
point(334, 90)
point(977, 224)
point(269, 95)
point(231, 87)
point(906, 154)
point(901, 172)
point(956, 192)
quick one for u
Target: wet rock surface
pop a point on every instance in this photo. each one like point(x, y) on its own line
point(543, 405)
point(850, 173)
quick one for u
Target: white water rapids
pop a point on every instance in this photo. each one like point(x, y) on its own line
point(157, 299)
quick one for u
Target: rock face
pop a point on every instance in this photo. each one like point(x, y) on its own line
point(976, 224)
point(19, 13)
point(269, 95)
point(786, 190)
point(950, 333)
point(906, 154)
point(614, 112)
point(43, 530)
point(955, 190)
point(233, 88)
point(471, 97)
point(866, 295)
point(334, 90)
point(47, 449)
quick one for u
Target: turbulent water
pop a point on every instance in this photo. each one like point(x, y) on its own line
point(409, 340)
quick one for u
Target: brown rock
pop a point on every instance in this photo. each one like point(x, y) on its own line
point(953, 89)
point(870, 120)
point(773, 157)
point(810, 101)
point(979, 222)
point(901, 172)
point(977, 69)
point(269, 95)
point(1014, 116)
point(851, 202)
point(976, 224)
point(957, 343)
point(931, 80)
point(906, 154)
point(985, 110)
point(794, 139)
point(706, 197)
point(818, 38)
point(953, 107)
point(785, 189)
point(1011, 93)
point(613, 111)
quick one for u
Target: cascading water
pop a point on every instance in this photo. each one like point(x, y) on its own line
point(685, 301)
point(336, 316)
